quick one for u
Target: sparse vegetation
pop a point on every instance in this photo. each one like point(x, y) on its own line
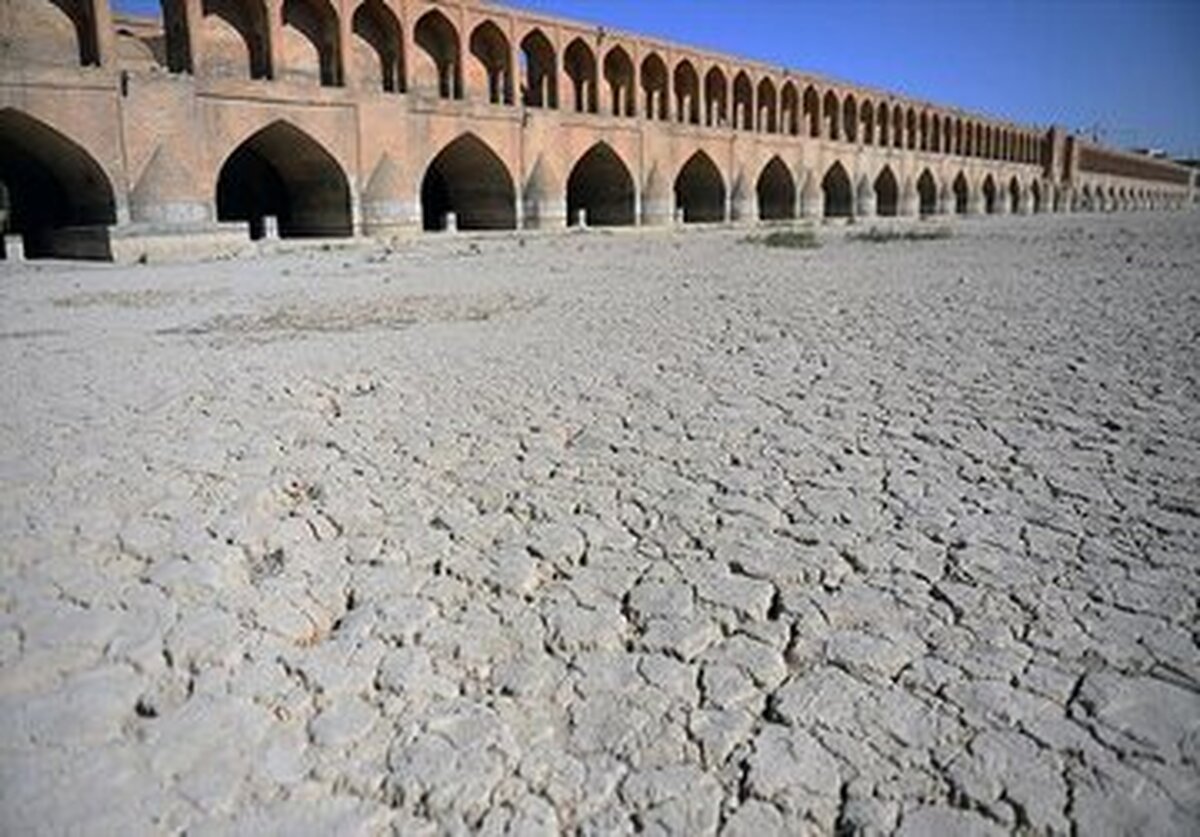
point(793, 239)
point(877, 235)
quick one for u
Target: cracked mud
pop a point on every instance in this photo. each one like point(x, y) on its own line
point(662, 534)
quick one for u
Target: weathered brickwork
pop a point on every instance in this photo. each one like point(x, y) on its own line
point(374, 117)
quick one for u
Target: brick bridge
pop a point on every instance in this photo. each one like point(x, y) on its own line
point(228, 118)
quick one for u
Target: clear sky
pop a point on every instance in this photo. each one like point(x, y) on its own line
point(1129, 69)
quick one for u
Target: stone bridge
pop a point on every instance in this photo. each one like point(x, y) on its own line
point(121, 135)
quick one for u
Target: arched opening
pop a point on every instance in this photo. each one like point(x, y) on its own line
point(935, 135)
point(490, 48)
point(910, 129)
point(55, 190)
point(654, 88)
point(923, 132)
point(812, 111)
point(768, 112)
point(580, 64)
point(282, 172)
point(989, 195)
point(1035, 192)
point(962, 195)
point(54, 32)
point(175, 33)
point(743, 102)
point(468, 179)
point(442, 69)
point(601, 186)
point(776, 192)
point(884, 134)
point(700, 191)
point(541, 71)
point(850, 118)
point(309, 42)
point(235, 39)
point(898, 127)
point(687, 93)
point(789, 110)
point(927, 193)
point(716, 99)
point(378, 50)
point(1014, 196)
point(887, 194)
point(839, 196)
point(618, 72)
point(867, 120)
point(832, 111)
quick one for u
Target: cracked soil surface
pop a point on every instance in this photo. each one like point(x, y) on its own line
point(664, 533)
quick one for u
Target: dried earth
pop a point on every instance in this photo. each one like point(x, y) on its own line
point(668, 533)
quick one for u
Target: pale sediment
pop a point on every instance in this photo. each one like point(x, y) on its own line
point(668, 533)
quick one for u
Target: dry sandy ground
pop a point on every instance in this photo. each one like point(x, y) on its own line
point(661, 533)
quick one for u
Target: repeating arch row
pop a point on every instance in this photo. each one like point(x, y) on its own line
point(515, 62)
point(282, 179)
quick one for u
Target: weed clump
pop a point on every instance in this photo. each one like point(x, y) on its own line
point(798, 239)
point(876, 235)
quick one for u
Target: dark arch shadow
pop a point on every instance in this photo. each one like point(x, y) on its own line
point(281, 171)
point(601, 186)
point(468, 179)
point(49, 184)
point(776, 192)
point(887, 194)
point(839, 196)
point(700, 190)
point(927, 193)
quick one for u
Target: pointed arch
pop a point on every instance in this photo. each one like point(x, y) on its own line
point(378, 47)
point(618, 74)
point(540, 71)
point(850, 118)
point(469, 179)
point(743, 102)
point(887, 193)
point(687, 92)
point(654, 88)
point(580, 64)
point(768, 107)
point(282, 172)
point(1035, 192)
point(832, 110)
point(601, 187)
point(1014, 196)
point(838, 192)
point(866, 117)
point(898, 127)
point(440, 48)
point(927, 194)
point(716, 98)
point(812, 111)
point(310, 42)
point(490, 48)
point(236, 39)
point(910, 129)
point(789, 109)
point(923, 131)
point(990, 205)
point(883, 123)
point(52, 183)
point(700, 190)
point(962, 195)
point(776, 191)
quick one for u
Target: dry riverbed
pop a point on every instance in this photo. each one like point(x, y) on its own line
point(608, 533)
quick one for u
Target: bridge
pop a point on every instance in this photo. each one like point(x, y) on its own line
point(123, 136)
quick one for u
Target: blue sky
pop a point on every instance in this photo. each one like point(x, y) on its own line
point(1130, 70)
